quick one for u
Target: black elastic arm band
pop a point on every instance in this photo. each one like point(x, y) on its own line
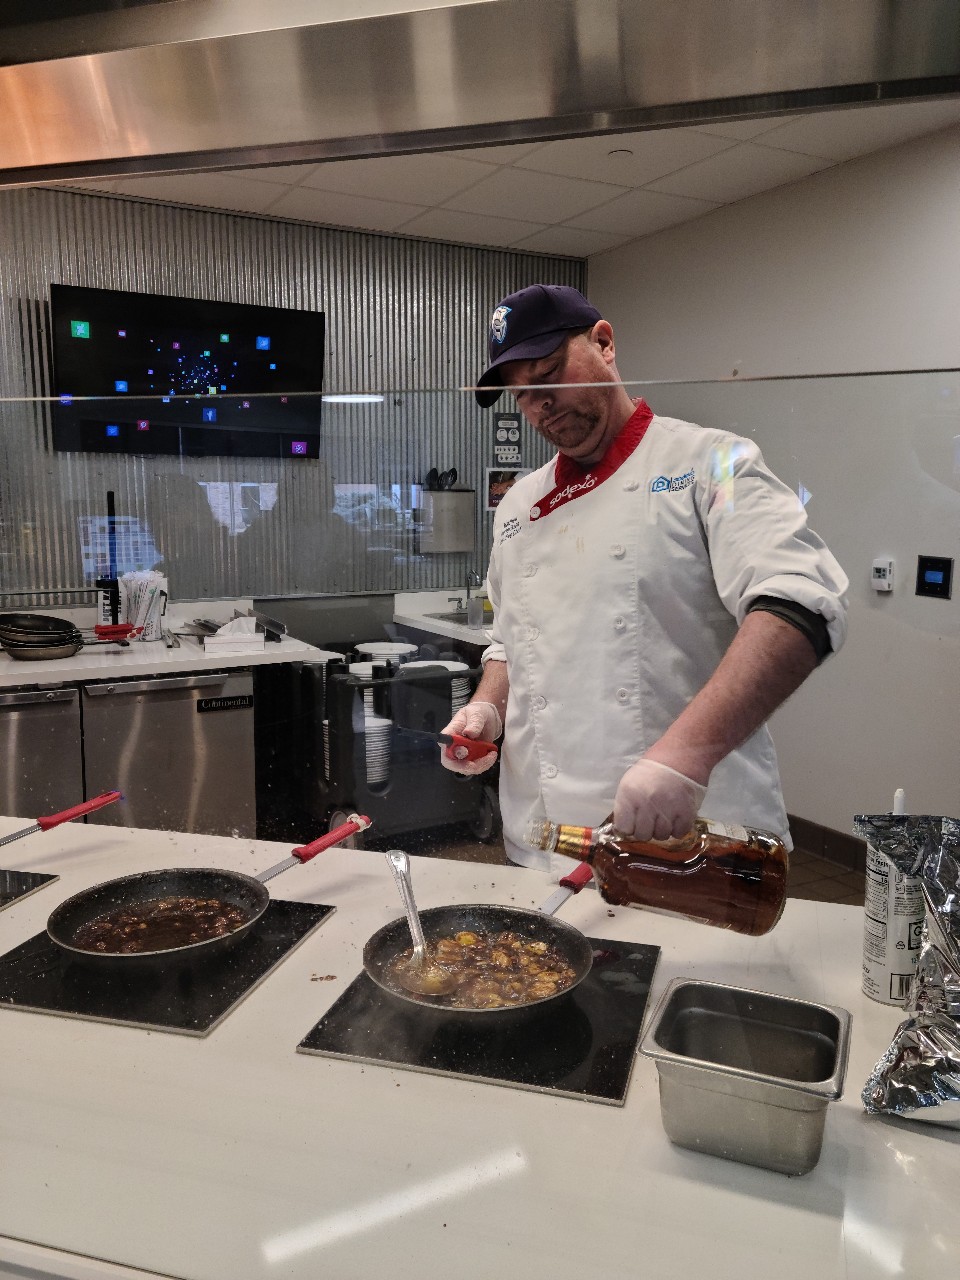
point(812, 625)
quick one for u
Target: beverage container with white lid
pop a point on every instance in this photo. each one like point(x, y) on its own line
point(892, 922)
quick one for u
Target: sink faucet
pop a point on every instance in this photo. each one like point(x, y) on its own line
point(473, 581)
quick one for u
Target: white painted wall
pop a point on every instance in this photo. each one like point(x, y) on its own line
point(854, 269)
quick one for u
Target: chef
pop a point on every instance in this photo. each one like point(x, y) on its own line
point(657, 594)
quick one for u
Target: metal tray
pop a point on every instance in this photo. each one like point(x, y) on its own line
point(747, 1075)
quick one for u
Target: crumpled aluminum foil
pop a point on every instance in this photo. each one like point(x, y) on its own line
point(919, 1075)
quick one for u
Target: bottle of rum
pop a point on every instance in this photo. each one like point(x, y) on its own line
point(730, 876)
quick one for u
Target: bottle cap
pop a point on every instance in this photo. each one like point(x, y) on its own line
point(541, 834)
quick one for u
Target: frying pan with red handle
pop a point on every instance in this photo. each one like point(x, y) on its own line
point(250, 893)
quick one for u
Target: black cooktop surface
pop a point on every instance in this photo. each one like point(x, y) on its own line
point(19, 884)
point(192, 1000)
point(583, 1048)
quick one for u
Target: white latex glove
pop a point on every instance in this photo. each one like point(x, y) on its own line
point(475, 720)
point(654, 802)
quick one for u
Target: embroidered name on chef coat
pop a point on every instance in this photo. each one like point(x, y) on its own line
point(510, 529)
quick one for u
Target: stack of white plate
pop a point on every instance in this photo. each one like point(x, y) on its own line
point(459, 684)
point(320, 658)
point(382, 649)
point(364, 670)
point(377, 730)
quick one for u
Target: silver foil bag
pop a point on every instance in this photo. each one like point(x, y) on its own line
point(919, 1075)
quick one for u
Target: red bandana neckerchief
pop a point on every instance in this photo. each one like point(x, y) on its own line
point(570, 479)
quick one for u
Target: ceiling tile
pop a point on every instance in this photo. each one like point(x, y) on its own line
point(742, 171)
point(209, 190)
point(469, 228)
point(426, 179)
point(570, 242)
point(739, 130)
point(841, 135)
point(636, 159)
point(536, 197)
point(501, 153)
point(638, 213)
point(288, 175)
point(335, 209)
point(568, 197)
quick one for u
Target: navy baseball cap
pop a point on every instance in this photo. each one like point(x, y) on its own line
point(529, 325)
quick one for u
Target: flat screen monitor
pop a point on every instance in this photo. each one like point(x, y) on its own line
point(154, 374)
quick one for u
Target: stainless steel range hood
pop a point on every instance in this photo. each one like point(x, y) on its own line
point(202, 84)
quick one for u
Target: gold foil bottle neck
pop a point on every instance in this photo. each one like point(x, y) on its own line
point(574, 842)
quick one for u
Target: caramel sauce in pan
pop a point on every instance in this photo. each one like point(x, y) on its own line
point(160, 924)
point(491, 970)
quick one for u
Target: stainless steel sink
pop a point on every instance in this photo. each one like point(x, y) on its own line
point(457, 615)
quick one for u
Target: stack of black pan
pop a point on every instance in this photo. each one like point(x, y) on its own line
point(32, 637)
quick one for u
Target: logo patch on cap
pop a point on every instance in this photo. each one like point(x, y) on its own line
point(498, 323)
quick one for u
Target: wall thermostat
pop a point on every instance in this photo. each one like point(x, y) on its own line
point(934, 576)
point(881, 578)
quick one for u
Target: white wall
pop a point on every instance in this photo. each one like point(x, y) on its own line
point(855, 269)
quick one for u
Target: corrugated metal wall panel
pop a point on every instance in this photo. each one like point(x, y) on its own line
point(405, 318)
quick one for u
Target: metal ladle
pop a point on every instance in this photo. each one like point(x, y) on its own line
point(420, 975)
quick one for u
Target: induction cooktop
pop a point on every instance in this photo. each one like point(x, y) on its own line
point(584, 1048)
point(15, 885)
point(191, 1000)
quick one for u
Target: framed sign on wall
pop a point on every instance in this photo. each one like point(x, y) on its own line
point(499, 482)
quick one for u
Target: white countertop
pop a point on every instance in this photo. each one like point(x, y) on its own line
point(151, 658)
point(235, 1157)
point(414, 609)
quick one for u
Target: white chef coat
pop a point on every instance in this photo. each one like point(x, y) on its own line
point(613, 610)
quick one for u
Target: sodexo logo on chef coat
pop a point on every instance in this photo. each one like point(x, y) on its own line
point(498, 323)
point(672, 484)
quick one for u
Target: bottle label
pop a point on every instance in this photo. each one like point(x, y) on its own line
point(732, 830)
point(575, 842)
point(893, 913)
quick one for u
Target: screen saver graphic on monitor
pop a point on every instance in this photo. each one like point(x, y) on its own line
point(184, 375)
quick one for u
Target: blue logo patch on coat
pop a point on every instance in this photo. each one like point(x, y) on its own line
point(498, 323)
point(672, 484)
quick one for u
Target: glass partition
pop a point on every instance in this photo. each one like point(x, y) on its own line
point(240, 513)
point(875, 458)
point(352, 545)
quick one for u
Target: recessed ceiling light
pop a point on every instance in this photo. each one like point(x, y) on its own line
point(620, 151)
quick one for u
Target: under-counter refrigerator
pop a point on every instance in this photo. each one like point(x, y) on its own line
point(180, 748)
point(41, 766)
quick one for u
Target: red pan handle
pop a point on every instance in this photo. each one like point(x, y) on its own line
point(115, 631)
point(476, 747)
point(343, 832)
point(578, 877)
point(78, 810)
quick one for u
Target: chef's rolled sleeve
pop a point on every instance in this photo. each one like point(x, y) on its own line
point(761, 545)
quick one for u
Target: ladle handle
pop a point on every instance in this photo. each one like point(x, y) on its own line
point(400, 866)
